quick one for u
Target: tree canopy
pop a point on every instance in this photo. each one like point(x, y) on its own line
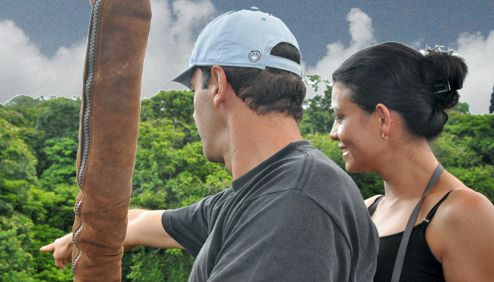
point(38, 146)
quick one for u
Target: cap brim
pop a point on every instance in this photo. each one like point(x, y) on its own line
point(183, 78)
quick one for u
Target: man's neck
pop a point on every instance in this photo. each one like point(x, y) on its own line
point(254, 138)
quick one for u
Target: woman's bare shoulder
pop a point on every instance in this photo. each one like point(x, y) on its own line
point(465, 208)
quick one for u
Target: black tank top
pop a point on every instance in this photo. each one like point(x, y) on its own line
point(420, 264)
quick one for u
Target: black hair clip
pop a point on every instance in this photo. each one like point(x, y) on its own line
point(442, 87)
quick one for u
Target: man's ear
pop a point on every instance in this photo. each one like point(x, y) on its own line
point(385, 120)
point(218, 84)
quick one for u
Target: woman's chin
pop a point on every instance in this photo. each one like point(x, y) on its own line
point(352, 168)
point(348, 167)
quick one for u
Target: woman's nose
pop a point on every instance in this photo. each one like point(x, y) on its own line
point(333, 134)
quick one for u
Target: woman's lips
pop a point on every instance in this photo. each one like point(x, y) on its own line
point(344, 150)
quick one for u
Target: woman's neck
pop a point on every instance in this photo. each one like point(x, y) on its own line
point(407, 172)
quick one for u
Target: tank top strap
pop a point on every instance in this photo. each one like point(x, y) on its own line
point(432, 212)
point(373, 206)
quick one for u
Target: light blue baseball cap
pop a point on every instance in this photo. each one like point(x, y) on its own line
point(241, 39)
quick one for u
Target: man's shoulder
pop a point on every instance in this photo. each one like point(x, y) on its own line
point(306, 154)
point(330, 186)
point(321, 170)
point(305, 169)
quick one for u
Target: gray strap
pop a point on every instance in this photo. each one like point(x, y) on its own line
point(400, 257)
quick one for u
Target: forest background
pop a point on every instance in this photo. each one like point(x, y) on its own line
point(38, 146)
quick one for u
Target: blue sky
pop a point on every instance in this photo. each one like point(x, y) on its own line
point(43, 42)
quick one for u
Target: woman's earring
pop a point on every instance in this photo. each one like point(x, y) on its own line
point(385, 137)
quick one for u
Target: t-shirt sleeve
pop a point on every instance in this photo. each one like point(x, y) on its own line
point(191, 225)
point(283, 237)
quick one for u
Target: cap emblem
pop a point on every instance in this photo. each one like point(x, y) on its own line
point(254, 56)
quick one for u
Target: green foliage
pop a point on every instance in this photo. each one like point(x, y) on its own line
point(17, 170)
point(25, 202)
point(462, 108)
point(318, 117)
point(452, 151)
point(38, 145)
point(15, 158)
point(60, 161)
point(466, 149)
point(475, 131)
point(314, 80)
point(58, 201)
point(155, 265)
point(56, 118)
point(23, 110)
point(174, 105)
point(40, 120)
point(168, 149)
point(14, 242)
point(479, 178)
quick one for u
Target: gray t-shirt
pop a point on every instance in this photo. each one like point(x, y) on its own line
point(295, 217)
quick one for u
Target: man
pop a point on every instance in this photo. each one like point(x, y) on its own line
point(291, 213)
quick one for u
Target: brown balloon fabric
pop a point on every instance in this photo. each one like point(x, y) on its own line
point(109, 122)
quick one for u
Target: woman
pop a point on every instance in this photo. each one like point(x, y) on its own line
point(389, 101)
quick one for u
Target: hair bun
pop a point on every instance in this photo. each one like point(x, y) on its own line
point(445, 96)
point(449, 72)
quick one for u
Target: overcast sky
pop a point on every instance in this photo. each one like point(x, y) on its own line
point(42, 43)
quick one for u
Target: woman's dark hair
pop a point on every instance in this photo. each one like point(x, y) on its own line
point(268, 90)
point(420, 87)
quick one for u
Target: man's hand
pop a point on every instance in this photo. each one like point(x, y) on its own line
point(62, 250)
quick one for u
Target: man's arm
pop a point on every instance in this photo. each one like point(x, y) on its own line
point(144, 228)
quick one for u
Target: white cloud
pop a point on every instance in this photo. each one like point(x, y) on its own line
point(362, 35)
point(474, 47)
point(360, 27)
point(477, 51)
point(25, 70)
point(171, 40)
